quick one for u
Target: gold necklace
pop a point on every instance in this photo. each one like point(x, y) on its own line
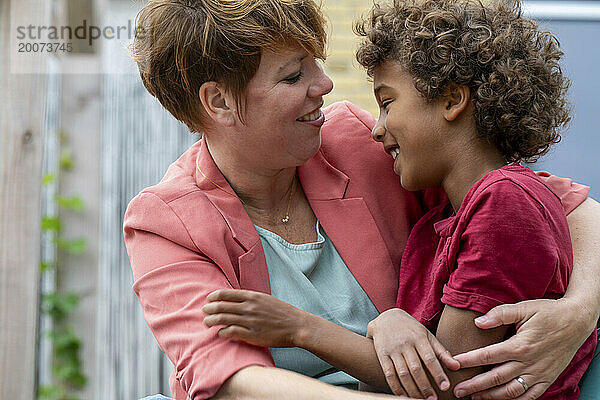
point(285, 219)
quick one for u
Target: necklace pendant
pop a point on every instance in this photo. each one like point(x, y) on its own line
point(286, 219)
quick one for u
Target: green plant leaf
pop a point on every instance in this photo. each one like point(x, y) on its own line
point(58, 306)
point(48, 179)
point(50, 223)
point(73, 203)
point(65, 341)
point(73, 246)
point(50, 392)
point(66, 160)
point(77, 379)
point(46, 265)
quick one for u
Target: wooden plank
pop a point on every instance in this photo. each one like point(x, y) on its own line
point(22, 100)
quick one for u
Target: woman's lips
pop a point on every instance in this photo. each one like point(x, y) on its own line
point(315, 118)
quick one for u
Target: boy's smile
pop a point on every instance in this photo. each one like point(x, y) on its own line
point(410, 128)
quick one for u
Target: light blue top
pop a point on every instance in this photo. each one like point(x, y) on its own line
point(314, 278)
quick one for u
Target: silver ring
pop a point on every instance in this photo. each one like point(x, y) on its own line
point(522, 382)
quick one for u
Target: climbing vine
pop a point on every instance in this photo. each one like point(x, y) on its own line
point(67, 368)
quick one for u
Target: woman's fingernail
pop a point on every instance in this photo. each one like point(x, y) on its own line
point(445, 385)
point(481, 319)
point(461, 393)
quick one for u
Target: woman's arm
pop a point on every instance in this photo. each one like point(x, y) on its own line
point(172, 279)
point(262, 383)
point(549, 331)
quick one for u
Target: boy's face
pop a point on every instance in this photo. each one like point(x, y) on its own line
point(411, 129)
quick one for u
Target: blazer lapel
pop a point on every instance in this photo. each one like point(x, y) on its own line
point(347, 221)
point(352, 229)
point(253, 273)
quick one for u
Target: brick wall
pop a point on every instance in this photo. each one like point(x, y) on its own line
point(350, 80)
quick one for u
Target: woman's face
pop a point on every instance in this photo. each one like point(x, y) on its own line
point(410, 128)
point(282, 117)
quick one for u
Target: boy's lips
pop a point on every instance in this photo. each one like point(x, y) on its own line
point(393, 151)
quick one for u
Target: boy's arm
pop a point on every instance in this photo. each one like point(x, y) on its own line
point(457, 333)
point(263, 320)
point(549, 331)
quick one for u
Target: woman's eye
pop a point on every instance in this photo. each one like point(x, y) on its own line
point(385, 104)
point(294, 78)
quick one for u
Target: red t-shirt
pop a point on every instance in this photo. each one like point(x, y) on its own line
point(508, 242)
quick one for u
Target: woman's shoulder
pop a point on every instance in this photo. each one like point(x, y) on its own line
point(346, 140)
point(346, 113)
point(175, 207)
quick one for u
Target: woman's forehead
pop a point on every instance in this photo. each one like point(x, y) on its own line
point(281, 60)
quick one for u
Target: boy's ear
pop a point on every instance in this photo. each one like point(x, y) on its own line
point(456, 100)
point(218, 104)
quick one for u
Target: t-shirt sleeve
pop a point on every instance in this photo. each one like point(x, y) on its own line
point(571, 194)
point(508, 252)
point(171, 280)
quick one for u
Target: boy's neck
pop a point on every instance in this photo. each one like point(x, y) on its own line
point(470, 165)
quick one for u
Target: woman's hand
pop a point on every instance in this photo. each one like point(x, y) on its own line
point(403, 345)
point(549, 333)
point(254, 317)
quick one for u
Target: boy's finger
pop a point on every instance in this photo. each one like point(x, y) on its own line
point(442, 354)
point(387, 366)
point(225, 319)
point(405, 377)
point(433, 365)
point(236, 331)
point(417, 371)
point(231, 295)
point(229, 307)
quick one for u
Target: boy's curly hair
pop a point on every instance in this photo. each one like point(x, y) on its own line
point(511, 67)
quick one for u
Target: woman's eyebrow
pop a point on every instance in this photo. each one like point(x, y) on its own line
point(291, 62)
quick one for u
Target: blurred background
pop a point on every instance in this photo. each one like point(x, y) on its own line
point(80, 136)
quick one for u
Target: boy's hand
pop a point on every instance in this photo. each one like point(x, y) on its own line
point(254, 317)
point(403, 345)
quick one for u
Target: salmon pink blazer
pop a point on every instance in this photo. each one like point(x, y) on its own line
point(186, 238)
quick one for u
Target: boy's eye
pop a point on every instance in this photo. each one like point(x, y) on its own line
point(385, 104)
point(294, 78)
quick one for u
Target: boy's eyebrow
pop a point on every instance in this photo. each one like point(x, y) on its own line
point(379, 87)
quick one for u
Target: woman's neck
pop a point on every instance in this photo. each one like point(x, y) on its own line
point(471, 163)
point(261, 190)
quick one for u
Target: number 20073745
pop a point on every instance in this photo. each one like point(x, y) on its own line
point(45, 47)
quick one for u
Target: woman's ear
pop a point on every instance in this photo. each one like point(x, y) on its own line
point(218, 104)
point(456, 100)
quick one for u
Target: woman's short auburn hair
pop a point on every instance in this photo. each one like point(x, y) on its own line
point(181, 44)
point(511, 67)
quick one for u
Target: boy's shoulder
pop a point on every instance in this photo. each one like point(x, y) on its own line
point(514, 183)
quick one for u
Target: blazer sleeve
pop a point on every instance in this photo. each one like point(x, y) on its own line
point(571, 194)
point(172, 279)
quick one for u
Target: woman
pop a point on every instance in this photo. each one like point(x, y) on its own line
point(244, 74)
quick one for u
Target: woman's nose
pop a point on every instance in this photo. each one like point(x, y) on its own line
point(378, 132)
point(322, 85)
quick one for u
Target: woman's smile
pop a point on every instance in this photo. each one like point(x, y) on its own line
point(315, 117)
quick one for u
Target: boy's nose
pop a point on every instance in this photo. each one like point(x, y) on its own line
point(378, 132)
